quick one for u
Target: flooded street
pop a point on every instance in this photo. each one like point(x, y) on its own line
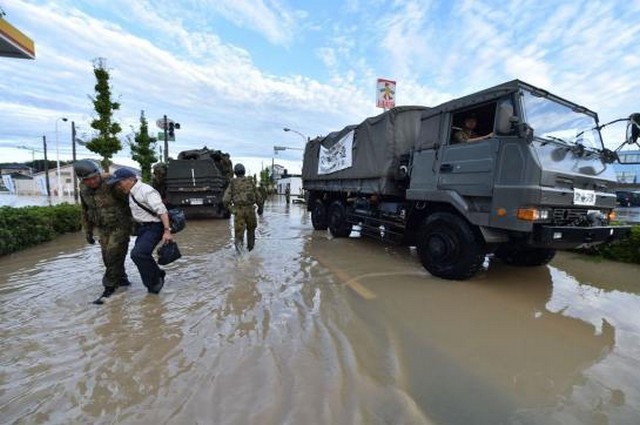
point(307, 329)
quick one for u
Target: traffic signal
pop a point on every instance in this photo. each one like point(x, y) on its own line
point(173, 126)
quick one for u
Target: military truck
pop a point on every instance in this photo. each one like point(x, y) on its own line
point(195, 182)
point(538, 180)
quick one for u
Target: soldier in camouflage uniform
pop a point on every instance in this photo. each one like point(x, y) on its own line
point(240, 197)
point(107, 210)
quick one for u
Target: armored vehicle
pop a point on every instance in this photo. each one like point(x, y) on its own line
point(530, 176)
point(195, 182)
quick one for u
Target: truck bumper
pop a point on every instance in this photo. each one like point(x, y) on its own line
point(563, 237)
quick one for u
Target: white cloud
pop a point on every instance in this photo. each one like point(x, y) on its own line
point(267, 17)
point(170, 59)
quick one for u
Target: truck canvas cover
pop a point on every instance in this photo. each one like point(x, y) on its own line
point(363, 157)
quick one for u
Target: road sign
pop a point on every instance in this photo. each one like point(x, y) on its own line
point(160, 122)
point(169, 138)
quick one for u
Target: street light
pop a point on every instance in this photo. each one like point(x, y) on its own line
point(305, 139)
point(58, 157)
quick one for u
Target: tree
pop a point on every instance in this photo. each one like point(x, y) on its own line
point(265, 177)
point(143, 149)
point(106, 143)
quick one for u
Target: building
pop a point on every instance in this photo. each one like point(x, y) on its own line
point(37, 184)
point(16, 169)
point(294, 183)
point(277, 171)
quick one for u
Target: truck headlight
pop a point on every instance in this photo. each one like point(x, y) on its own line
point(533, 214)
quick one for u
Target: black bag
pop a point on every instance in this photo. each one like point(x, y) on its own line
point(177, 220)
point(168, 253)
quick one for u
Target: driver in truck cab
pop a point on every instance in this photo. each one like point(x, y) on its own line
point(468, 132)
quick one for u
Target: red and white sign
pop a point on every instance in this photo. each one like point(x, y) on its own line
point(385, 93)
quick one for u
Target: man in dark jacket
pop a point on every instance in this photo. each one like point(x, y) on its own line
point(107, 211)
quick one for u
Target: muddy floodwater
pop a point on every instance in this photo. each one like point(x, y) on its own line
point(307, 329)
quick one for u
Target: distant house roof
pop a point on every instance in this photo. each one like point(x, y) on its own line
point(14, 166)
point(67, 166)
point(18, 176)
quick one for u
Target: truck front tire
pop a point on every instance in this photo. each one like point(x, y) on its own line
point(525, 256)
point(338, 225)
point(448, 248)
point(319, 215)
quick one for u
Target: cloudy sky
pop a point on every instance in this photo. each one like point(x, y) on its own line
point(233, 73)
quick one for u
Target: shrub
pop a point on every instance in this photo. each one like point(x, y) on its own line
point(625, 250)
point(28, 226)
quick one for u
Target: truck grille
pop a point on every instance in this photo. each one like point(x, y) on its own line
point(569, 216)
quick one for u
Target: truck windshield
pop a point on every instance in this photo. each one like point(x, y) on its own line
point(554, 121)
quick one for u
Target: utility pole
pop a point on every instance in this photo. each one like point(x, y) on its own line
point(166, 141)
point(73, 153)
point(46, 165)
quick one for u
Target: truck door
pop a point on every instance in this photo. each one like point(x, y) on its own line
point(468, 159)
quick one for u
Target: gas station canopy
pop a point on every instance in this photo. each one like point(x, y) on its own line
point(14, 44)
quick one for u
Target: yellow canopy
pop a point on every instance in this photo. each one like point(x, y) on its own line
point(15, 44)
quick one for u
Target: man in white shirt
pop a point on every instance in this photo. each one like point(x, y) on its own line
point(152, 217)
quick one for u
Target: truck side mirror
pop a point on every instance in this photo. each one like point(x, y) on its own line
point(634, 128)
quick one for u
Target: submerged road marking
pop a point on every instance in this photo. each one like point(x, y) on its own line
point(367, 294)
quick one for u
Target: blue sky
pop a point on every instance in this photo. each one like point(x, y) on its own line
point(235, 72)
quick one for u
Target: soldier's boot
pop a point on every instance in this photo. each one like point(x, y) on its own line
point(108, 291)
point(251, 241)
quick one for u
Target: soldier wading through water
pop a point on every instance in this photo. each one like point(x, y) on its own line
point(106, 210)
point(240, 197)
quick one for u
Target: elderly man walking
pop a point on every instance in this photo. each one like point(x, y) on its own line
point(152, 218)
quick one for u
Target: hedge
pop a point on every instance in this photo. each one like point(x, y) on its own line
point(27, 226)
point(625, 250)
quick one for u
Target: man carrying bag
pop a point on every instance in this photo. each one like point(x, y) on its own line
point(152, 218)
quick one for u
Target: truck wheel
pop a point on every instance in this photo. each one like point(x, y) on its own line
point(338, 224)
point(319, 215)
point(525, 256)
point(448, 247)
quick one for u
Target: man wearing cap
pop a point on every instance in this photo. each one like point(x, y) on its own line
point(468, 133)
point(107, 211)
point(152, 217)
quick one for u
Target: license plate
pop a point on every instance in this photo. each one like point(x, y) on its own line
point(584, 197)
point(196, 201)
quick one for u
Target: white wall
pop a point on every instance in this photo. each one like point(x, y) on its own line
point(295, 185)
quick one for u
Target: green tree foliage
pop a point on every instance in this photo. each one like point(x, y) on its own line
point(265, 177)
point(106, 143)
point(143, 149)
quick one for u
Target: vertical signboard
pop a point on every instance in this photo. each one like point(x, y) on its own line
point(385, 93)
